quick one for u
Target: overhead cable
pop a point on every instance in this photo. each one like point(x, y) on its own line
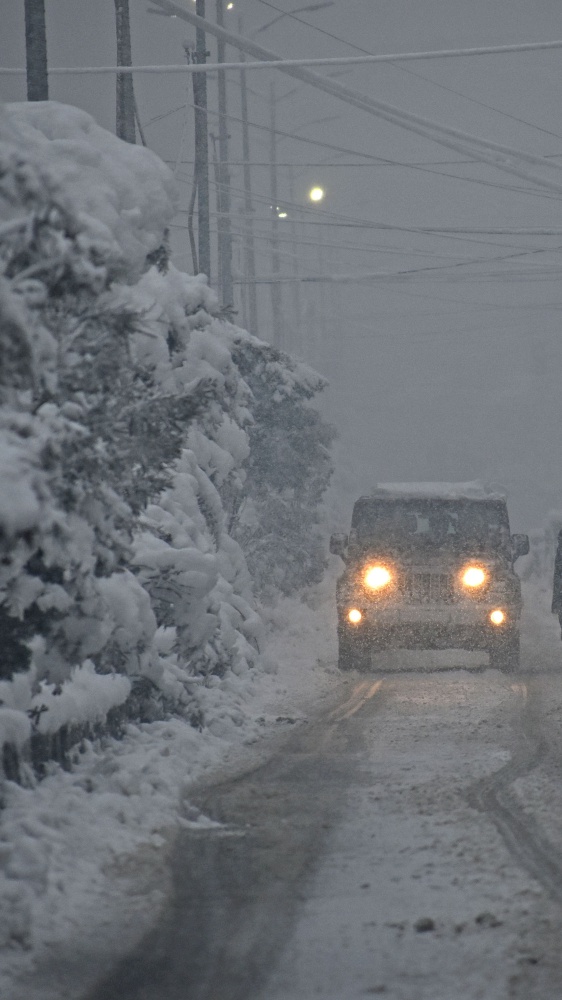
point(292, 15)
point(379, 160)
point(509, 160)
point(278, 63)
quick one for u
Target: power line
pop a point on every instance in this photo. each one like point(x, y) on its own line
point(384, 161)
point(402, 69)
point(509, 160)
point(299, 138)
point(275, 63)
point(305, 164)
point(350, 222)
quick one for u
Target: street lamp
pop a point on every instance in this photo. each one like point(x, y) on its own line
point(316, 194)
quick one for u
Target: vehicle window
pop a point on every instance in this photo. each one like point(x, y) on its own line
point(420, 523)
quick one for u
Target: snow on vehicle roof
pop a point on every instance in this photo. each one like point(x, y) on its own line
point(475, 490)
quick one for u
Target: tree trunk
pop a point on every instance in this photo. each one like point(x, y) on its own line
point(36, 50)
point(125, 106)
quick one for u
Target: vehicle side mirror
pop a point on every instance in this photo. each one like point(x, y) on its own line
point(519, 546)
point(338, 545)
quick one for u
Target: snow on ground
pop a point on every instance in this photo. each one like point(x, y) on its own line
point(86, 874)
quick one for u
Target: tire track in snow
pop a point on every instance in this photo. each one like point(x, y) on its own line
point(520, 831)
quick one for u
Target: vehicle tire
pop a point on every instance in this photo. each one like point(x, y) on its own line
point(353, 654)
point(504, 652)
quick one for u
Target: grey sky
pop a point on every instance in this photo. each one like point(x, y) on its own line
point(441, 376)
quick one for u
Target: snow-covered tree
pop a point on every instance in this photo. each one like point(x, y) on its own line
point(157, 464)
point(277, 518)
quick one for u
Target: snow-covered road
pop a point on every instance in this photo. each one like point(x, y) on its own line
point(384, 849)
point(398, 834)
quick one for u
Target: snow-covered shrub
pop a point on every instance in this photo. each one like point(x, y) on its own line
point(150, 451)
point(87, 434)
point(277, 518)
point(194, 570)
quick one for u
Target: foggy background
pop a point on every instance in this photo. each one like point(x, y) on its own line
point(452, 369)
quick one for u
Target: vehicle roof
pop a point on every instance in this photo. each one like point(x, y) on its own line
point(444, 491)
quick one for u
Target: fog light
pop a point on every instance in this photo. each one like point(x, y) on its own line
point(354, 616)
point(497, 617)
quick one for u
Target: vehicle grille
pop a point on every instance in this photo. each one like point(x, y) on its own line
point(428, 588)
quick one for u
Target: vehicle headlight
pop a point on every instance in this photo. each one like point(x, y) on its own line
point(377, 577)
point(474, 576)
point(354, 616)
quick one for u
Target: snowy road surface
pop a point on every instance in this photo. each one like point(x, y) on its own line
point(405, 843)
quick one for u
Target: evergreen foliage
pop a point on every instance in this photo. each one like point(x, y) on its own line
point(157, 464)
point(277, 519)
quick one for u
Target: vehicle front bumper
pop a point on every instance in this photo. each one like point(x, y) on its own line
point(459, 625)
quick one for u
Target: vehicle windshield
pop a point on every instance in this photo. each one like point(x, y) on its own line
point(456, 524)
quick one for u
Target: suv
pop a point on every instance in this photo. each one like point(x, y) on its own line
point(429, 566)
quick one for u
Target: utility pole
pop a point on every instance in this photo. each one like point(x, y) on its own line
point(275, 261)
point(224, 228)
point(36, 50)
point(216, 171)
point(297, 306)
point(249, 251)
point(202, 149)
point(125, 96)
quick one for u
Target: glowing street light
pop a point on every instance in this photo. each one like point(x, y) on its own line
point(316, 194)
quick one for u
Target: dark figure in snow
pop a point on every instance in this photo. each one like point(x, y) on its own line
point(557, 583)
